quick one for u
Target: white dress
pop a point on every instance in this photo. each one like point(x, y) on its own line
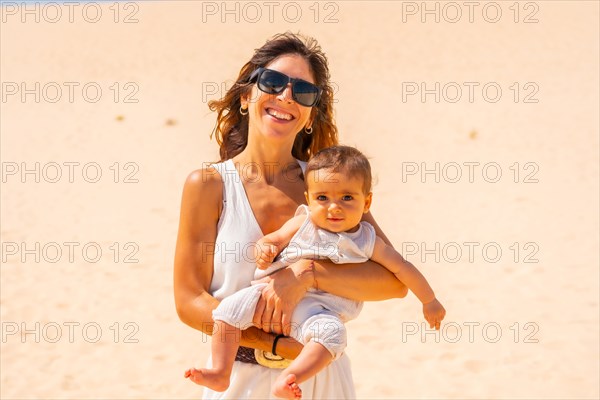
point(320, 316)
point(234, 268)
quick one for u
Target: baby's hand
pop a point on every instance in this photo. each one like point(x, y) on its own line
point(434, 313)
point(265, 253)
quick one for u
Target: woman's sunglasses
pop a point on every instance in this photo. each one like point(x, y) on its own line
point(274, 82)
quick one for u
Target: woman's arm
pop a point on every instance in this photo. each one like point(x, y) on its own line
point(193, 267)
point(366, 281)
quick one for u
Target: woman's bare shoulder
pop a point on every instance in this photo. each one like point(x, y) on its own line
point(204, 178)
point(203, 188)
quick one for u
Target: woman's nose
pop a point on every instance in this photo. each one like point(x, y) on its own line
point(286, 95)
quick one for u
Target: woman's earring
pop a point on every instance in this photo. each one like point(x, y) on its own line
point(244, 111)
point(308, 130)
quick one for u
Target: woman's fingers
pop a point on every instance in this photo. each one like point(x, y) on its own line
point(267, 315)
point(258, 312)
point(286, 321)
point(281, 295)
point(276, 321)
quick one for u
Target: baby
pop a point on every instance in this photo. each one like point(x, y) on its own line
point(338, 193)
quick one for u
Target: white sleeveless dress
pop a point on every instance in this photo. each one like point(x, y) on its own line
point(234, 269)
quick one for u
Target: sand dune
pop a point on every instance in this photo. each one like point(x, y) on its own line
point(492, 193)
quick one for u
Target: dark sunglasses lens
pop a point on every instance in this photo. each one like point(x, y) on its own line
point(305, 93)
point(272, 82)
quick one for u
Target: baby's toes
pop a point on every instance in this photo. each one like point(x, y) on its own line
point(296, 389)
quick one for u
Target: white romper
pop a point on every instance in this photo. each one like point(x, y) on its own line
point(233, 270)
point(320, 316)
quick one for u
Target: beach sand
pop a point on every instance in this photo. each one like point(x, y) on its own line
point(492, 193)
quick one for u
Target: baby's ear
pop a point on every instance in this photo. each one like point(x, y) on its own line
point(368, 199)
point(306, 196)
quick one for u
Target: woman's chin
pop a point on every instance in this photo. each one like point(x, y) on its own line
point(279, 134)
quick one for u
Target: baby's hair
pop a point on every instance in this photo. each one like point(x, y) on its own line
point(342, 159)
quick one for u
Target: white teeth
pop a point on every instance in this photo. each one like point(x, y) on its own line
point(279, 115)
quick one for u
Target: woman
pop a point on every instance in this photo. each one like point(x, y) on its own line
point(277, 114)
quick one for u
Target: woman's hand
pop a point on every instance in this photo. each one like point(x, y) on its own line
point(279, 298)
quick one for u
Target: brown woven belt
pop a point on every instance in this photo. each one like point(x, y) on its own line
point(245, 354)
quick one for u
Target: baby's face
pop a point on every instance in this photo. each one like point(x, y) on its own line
point(336, 201)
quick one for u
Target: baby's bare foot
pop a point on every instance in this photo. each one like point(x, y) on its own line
point(209, 378)
point(287, 388)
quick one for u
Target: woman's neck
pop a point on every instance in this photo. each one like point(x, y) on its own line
point(275, 158)
point(265, 163)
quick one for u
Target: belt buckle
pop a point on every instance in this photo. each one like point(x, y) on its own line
point(270, 360)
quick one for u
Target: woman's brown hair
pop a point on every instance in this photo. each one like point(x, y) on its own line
point(231, 130)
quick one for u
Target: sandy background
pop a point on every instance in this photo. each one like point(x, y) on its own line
point(523, 323)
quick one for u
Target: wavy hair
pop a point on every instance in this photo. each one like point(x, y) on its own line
point(231, 130)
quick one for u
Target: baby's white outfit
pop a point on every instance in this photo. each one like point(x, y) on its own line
point(320, 316)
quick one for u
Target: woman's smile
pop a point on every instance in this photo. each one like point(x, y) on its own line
point(279, 115)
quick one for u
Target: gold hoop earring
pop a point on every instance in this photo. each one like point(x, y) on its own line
point(308, 130)
point(244, 111)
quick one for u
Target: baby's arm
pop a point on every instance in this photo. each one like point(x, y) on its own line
point(409, 275)
point(270, 245)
